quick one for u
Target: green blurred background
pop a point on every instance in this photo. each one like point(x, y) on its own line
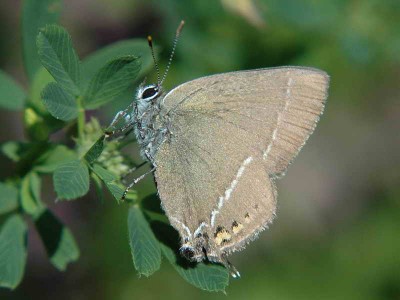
point(337, 231)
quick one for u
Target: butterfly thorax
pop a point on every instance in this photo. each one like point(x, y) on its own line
point(150, 128)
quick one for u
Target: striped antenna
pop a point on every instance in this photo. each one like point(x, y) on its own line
point(178, 32)
point(150, 41)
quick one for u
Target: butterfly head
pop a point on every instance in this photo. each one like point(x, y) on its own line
point(148, 93)
point(200, 248)
point(195, 249)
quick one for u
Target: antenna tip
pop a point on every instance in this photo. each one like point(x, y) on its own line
point(178, 31)
point(150, 40)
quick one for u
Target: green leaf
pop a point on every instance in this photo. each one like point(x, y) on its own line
point(24, 153)
point(145, 248)
point(117, 190)
point(57, 239)
point(112, 184)
point(59, 58)
point(30, 194)
point(40, 81)
point(12, 251)
point(96, 150)
point(71, 180)
point(104, 174)
point(12, 96)
point(35, 187)
point(8, 197)
point(206, 276)
point(36, 127)
point(111, 80)
point(39, 123)
point(14, 150)
point(61, 104)
point(35, 15)
point(56, 155)
point(110, 181)
point(28, 203)
point(11, 150)
point(137, 47)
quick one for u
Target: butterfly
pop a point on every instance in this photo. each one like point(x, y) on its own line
point(217, 145)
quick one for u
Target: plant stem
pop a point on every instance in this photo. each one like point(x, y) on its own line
point(81, 119)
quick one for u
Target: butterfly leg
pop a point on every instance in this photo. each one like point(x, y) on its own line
point(136, 181)
point(218, 257)
point(130, 171)
point(128, 122)
point(118, 116)
point(231, 268)
point(150, 157)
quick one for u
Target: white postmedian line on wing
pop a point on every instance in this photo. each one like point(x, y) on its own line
point(200, 228)
point(183, 226)
point(229, 191)
point(274, 133)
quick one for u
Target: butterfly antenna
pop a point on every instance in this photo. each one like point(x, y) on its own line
point(177, 34)
point(150, 41)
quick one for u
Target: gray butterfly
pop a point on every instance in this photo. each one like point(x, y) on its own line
point(218, 143)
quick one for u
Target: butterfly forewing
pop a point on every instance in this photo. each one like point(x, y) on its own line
point(231, 134)
point(306, 94)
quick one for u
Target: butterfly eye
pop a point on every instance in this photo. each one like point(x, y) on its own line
point(149, 93)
